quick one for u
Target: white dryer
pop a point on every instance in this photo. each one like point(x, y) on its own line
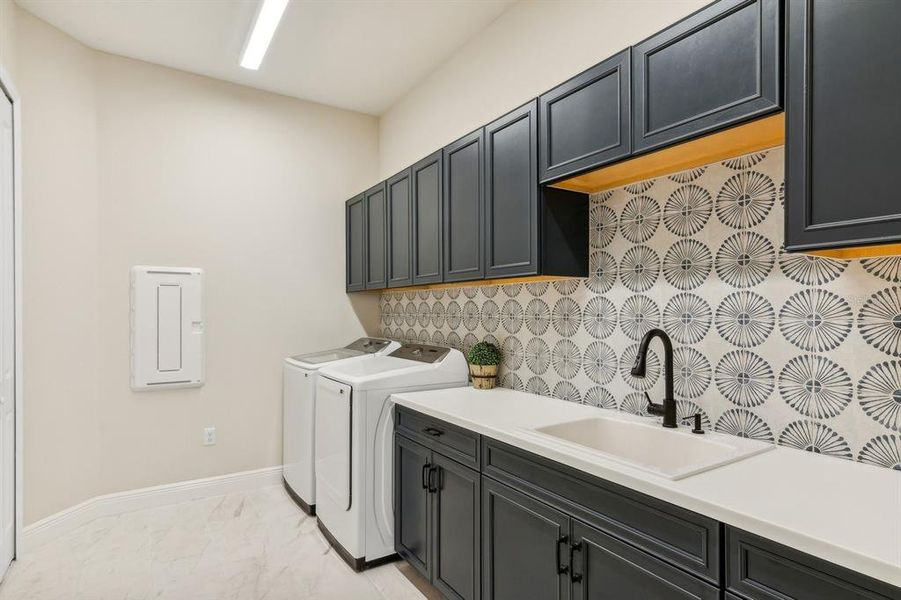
point(354, 449)
point(299, 398)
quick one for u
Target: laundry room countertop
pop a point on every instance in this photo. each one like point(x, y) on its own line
point(841, 511)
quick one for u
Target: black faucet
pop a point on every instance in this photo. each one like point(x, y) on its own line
point(668, 409)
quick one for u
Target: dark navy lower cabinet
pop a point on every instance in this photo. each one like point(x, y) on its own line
point(717, 67)
point(758, 569)
point(605, 568)
point(585, 122)
point(399, 222)
point(843, 125)
point(375, 207)
point(355, 243)
point(511, 194)
point(525, 547)
point(437, 518)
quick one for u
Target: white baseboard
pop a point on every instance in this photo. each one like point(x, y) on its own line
point(50, 528)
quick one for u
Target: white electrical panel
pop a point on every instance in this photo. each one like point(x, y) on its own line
point(167, 348)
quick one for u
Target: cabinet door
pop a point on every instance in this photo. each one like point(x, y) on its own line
point(463, 209)
point(412, 517)
point(355, 243)
point(511, 194)
point(376, 237)
point(399, 209)
point(586, 122)
point(524, 545)
point(456, 524)
point(843, 125)
point(717, 67)
point(427, 219)
point(605, 568)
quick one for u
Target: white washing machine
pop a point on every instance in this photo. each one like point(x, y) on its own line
point(354, 444)
point(299, 398)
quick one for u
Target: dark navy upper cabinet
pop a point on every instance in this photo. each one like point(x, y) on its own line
point(399, 222)
point(355, 243)
point(715, 68)
point(586, 121)
point(464, 208)
point(843, 126)
point(511, 194)
point(425, 179)
point(376, 237)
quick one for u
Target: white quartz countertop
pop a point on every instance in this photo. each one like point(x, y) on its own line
point(840, 511)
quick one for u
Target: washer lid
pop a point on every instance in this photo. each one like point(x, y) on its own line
point(359, 347)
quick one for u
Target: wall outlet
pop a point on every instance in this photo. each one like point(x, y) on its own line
point(209, 436)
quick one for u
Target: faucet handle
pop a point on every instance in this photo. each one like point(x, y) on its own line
point(697, 422)
point(653, 408)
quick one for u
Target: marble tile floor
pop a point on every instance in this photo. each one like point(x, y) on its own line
point(246, 546)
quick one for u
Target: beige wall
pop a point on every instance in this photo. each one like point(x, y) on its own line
point(129, 163)
point(8, 36)
point(530, 48)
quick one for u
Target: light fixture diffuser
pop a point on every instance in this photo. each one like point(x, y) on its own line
point(264, 27)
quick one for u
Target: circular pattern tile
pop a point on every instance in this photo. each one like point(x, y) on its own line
point(639, 268)
point(882, 451)
point(490, 315)
point(815, 320)
point(471, 291)
point(687, 318)
point(599, 362)
point(438, 315)
point(638, 315)
point(688, 176)
point(640, 187)
point(885, 267)
point(489, 291)
point(511, 316)
point(566, 287)
point(745, 319)
point(453, 341)
point(599, 317)
point(512, 352)
point(652, 371)
point(537, 289)
point(537, 385)
point(511, 381)
point(437, 338)
point(816, 437)
point(747, 161)
point(691, 373)
point(471, 315)
point(566, 359)
point(538, 356)
point(423, 314)
point(599, 396)
point(566, 316)
point(811, 270)
point(745, 200)
point(687, 210)
point(815, 386)
point(564, 390)
point(879, 394)
point(537, 316)
point(511, 290)
point(601, 272)
point(687, 264)
point(880, 321)
point(745, 259)
point(601, 225)
point(639, 219)
point(635, 403)
point(744, 378)
point(744, 423)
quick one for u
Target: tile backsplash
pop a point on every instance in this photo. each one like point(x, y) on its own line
point(788, 348)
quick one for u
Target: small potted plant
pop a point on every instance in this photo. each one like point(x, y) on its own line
point(484, 359)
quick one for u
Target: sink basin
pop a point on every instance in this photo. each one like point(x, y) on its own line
point(671, 453)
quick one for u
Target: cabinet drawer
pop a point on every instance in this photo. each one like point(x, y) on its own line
point(759, 569)
point(681, 537)
point(715, 68)
point(449, 440)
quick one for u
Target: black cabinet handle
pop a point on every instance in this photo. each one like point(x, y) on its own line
point(433, 432)
point(432, 487)
point(561, 569)
point(575, 577)
point(425, 481)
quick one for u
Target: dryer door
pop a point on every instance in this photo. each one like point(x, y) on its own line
point(334, 429)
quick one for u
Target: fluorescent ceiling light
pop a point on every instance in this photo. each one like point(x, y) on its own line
point(270, 14)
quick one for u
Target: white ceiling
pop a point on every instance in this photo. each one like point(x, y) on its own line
point(362, 55)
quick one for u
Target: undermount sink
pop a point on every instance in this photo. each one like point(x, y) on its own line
point(671, 453)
